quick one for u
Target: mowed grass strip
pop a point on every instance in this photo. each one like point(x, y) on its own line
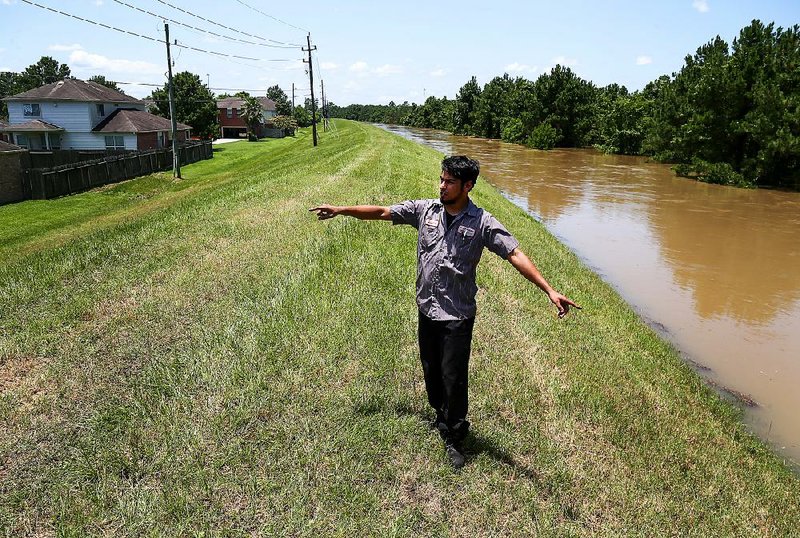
point(203, 356)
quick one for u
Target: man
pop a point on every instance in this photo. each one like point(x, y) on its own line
point(452, 232)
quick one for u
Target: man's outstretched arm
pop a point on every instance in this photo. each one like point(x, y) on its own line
point(525, 266)
point(363, 212)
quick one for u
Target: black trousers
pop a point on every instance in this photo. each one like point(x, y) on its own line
point(444, 348)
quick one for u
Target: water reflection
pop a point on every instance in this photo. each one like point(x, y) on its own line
point(718, 267)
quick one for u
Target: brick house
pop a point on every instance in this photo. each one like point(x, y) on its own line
point(73, 114)
point(232, 124)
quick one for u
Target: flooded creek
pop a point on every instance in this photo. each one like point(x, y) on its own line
point(716, 270)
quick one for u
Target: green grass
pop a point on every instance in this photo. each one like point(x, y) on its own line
point(204, 358)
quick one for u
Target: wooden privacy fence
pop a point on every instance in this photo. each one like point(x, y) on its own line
point(42, 183)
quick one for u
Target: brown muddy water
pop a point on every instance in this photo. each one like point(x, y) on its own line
point(716, 270)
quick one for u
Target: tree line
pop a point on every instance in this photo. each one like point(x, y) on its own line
point(731, 115)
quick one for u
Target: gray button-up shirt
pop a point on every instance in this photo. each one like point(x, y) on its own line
point(447, 257)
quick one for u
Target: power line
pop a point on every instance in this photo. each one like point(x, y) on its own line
point(203, 30)
point(152, 84)
point(222, 25)
point(273, 18)
point(211, 52)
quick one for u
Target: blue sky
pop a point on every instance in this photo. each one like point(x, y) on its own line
point(374, 52)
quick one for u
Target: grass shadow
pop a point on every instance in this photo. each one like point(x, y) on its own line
point(475, 444)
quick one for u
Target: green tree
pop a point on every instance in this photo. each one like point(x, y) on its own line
point(100, 79)
point(543, 136)
point(568, 105)
point(45, 71)
point(302, 116)
point(492, 107)
point(9, 84)
point(766, 61)
point(622, 121)
point(194, 104)
point(286, 123)
point(283, 107)
point(252, 114)
point(466, 103)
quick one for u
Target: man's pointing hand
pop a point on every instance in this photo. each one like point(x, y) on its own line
point(325, 211)
point(562, 303)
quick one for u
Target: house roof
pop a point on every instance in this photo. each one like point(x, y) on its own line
point(33, 125)
point(72, 89)
point(6, 147)
point(237, 102)
point(126, 120)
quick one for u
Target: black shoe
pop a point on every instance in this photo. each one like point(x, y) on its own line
point(456, 455)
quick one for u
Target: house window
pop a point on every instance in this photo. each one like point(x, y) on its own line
point(31, 110)
point(115, 142)
point(22, 140)
point(101, 110)
point(230, 112)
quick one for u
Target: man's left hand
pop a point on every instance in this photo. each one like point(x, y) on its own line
point(562, 303)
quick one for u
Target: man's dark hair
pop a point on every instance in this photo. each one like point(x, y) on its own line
point(462, 167)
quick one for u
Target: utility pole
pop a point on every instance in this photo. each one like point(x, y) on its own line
point(176, 162)
point(324, 110)
point(292, 97)
point(311, 83)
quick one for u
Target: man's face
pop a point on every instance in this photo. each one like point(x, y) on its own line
point(451, 190)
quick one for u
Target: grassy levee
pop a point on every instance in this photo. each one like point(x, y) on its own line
point(203, 356)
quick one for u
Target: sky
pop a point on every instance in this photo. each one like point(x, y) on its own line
point(374, 52)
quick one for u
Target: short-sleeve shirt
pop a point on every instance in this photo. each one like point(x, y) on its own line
point(447, 257)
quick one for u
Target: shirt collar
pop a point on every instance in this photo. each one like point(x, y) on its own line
point(471, 209)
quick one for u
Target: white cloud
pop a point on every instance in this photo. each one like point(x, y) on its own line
point(74, 46)
point(388, 69)
point(83, 59)
point(520, 68)
point(564, 61)
point(351, 85)
point(701, 6)
point(329, 65)
point(8, 2)
point(643, 60)
point(98, 3)
point(4, 69)
point(438, 73)
point(359, 67)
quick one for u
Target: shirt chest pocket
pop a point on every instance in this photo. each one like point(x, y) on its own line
point(466, 247)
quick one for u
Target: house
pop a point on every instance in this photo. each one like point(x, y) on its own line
point(73, 114)
point(232, 124)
